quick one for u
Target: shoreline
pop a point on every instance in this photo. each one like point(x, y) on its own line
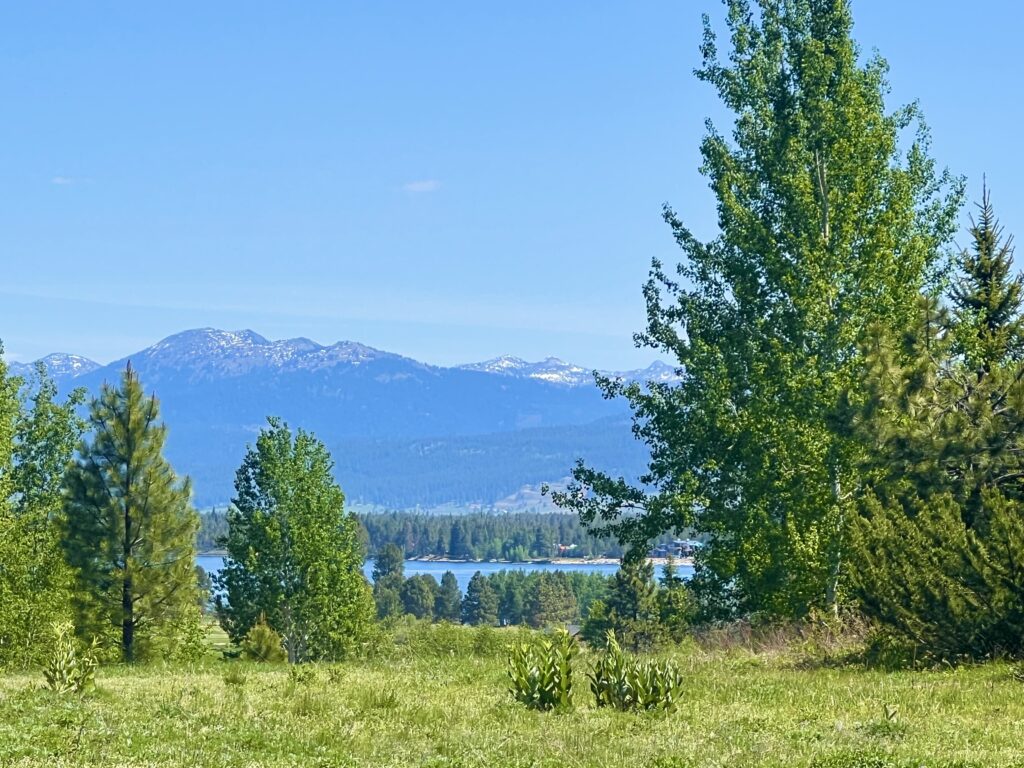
point(657, 562)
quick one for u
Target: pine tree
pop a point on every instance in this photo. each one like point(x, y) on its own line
point(129, 529)
point(293, 552)
point(940, 532)
point(551, 601)
point(480, 604)
point(448, 604)
point(632, 610)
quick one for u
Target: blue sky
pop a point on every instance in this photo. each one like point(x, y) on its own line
point(448, 180)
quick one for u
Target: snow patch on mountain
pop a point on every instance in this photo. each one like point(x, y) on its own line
point(213, 352)
point(556, 371)
point(59, 365)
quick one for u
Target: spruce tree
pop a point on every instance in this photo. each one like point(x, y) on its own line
point(294, 556)
point(480, 604)
point(129, 528)
point(988, 296)
point(448, 604)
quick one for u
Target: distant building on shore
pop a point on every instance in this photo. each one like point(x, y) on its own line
point(678, 548)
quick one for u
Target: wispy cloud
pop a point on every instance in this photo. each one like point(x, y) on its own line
point(419, 187)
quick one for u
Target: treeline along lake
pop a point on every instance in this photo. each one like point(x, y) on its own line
point(464, 570)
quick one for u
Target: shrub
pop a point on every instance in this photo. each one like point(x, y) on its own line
point(626, 683)
point(541, 671)
point(263, 644)
point(69, 668)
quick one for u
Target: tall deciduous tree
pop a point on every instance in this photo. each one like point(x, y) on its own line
point(38, 436)
point(293, 552)
point(825, 227)
point(129, 528)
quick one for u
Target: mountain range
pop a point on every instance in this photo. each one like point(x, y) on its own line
point(403, 433)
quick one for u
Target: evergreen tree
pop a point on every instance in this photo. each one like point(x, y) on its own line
point(551, 601)
point(458, 547)
point(940, 534)
point(510, 587)
point(418, 594)
point(943, 590)
point(631, 609)
point(596, 626)
point(826, 228)
point(480, 604)
point(388, 577)
point(988, 297)
point(129, 529)
point(387, 598)
point(448, 604)
point(389, 563)
point(542, 546)
point(675, 604)
point(293, 552)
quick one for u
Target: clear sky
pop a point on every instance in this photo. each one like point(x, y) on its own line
point(448, 180)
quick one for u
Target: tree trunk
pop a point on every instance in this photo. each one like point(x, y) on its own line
point(127, 619)
point(832, 588)
point(127, 600)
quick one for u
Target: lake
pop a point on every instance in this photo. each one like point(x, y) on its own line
point(464, 571)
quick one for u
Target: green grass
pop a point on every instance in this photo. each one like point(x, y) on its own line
point(436, 702)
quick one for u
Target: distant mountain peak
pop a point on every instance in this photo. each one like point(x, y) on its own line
point(59, 365)
point(210, 339)
point(210, 352)
point(554, 370)
point(504, 364)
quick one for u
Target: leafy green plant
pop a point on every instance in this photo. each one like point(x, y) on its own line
point(302, 675)
point(262, 643)
point(626, 683)
point(541, 671)
point(69, 668)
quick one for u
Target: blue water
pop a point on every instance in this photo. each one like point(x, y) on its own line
point(464, 571)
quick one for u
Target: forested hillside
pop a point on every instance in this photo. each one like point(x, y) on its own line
point(403, 433)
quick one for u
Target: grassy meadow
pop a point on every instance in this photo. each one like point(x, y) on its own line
point(438, 698)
